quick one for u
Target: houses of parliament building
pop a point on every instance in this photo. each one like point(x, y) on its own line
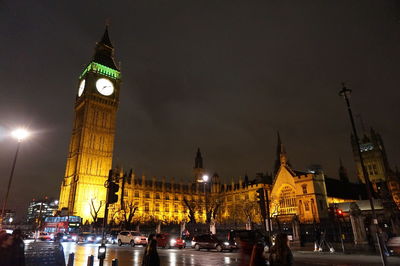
point(306, 194)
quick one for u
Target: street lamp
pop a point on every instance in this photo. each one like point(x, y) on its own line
point(20, 134)
point(205, 179)
point(345, 92)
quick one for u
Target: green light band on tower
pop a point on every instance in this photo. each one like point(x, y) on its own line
point(98, 68)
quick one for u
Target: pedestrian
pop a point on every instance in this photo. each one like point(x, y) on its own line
point(18, 248)
point(280, 253)
point(6, 242)
point(150, 256)
point(257, 255)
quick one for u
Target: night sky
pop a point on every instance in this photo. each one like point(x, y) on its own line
point(224, 76)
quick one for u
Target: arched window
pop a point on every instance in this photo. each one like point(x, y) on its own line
point(287, 201)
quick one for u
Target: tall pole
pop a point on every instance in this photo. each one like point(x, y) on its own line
point(9, 184)
point(345, 92)
point(205, 200)
point(268, 215)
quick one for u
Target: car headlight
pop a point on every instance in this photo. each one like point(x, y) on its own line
point(65, 237)
point(172, 242)
point(89, 238)
point(226, 243)
point(74, 238)
point(98, 238)
point(193, 243)
point(52, 236)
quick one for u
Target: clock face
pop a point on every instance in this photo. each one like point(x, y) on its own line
point(81, 88)
point(104, 86)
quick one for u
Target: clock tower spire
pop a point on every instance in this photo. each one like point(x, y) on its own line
point(92, 141)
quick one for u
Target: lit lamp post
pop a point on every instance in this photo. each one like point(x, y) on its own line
point(345, 92)
point(20, 135)
point(205, 179)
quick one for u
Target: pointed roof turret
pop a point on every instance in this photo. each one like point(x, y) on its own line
point(198, 161)
point(278, 152)
point(104, 52)
point(106, 39)
point(283, 156)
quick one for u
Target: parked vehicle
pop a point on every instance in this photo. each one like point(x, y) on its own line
point(170, 241)
point(132, 238)
point(212, 242)
point(88, 237)
point(393, 245)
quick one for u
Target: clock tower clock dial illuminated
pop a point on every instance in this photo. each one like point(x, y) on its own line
point(92, 142)
point(104, 86)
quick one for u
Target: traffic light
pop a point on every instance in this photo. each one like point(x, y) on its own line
point(261, 201)
point(112, 192)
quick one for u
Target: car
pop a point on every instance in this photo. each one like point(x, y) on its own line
point(68, 238)
point(132, 238)
point(393, 245)
point(87, 237)
point(45, 236)
point(169, 241)
point(212, 242)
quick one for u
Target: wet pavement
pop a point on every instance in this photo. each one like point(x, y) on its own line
point(127, 255)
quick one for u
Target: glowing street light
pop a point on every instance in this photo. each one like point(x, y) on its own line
point(20, 135)
point(205, 178)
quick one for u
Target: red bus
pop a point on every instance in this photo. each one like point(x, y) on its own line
point(68, 225)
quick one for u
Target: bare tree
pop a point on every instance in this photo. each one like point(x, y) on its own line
point(128, 213)
point(192, 206)
point(94, 211)
point(250, 211)
point(213, 204)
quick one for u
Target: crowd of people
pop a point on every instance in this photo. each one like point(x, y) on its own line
point(12, 248)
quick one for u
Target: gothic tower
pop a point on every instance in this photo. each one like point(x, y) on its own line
point(198, 169)
point(92, 142)
point(374, 155)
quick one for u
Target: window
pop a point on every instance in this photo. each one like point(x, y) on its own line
point(157, 207)
point(304, 187)
point(166, 196)
point(176, 197)
point(287, 200)
point(246, 196)
point(125, 193)
point(146, 207)
point(229, 198)
point(176, 208)
point(237, 197)
point(166, 207)
point(306, 206)
point(157, 195)
point(147, 195)
point(137, 194)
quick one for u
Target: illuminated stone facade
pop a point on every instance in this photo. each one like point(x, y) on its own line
point(92, 142)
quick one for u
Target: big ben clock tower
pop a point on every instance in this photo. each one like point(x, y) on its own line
point(92, 141)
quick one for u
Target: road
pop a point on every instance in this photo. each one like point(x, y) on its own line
point(127, 255)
